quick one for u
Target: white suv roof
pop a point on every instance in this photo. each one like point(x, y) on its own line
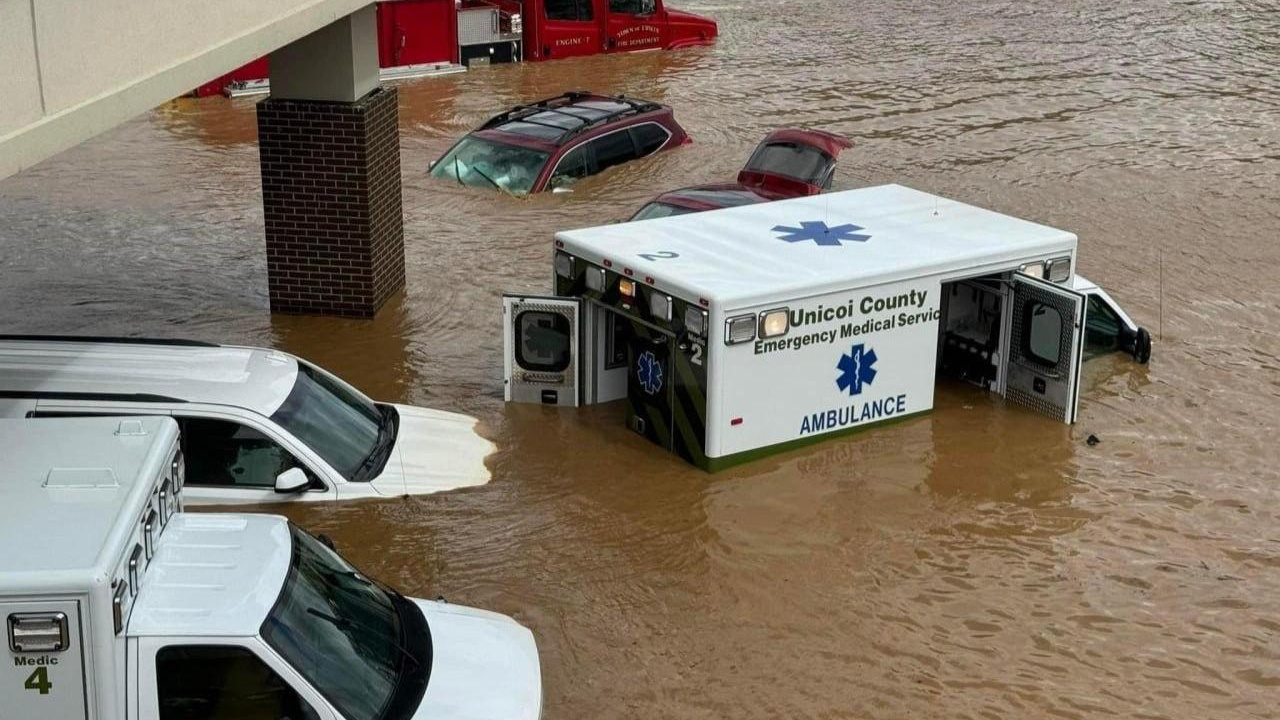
point(155, 371)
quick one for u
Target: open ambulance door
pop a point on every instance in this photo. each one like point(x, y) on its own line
point(540, 341)
point(1046, 338)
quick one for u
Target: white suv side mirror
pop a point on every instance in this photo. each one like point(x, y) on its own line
point(292, 480)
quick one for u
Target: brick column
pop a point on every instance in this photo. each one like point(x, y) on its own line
point(331, 200)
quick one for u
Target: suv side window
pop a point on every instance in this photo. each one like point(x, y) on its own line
point(220, 452)
point(218, 682)
point(649, 137)
point(573, 166)
point(613, 149)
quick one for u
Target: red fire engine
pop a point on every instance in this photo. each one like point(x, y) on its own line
point(421, 36)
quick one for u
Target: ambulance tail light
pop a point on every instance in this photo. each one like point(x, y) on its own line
point(1058, 269)
point(1035, 270)
point(774, 323)
point(595, 279)
point(740, 329)
point(564, 265)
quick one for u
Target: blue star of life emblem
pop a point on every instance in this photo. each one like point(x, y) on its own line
point(857, 368)
point(818, 232)
point(649, 372)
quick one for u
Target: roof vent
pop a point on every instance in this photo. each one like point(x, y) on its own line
point(81, 478)
point(132, 428)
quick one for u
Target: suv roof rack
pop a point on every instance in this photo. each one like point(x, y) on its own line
point(521, 113)
point(109, 339)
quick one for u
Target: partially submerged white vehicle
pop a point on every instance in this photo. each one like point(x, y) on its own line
point(745, 331)
point(258, 425)
point(117, 605)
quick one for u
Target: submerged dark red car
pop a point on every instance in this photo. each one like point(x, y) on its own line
point(788, 163)
point(550, 144)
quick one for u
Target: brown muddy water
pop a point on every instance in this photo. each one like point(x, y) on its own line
point(979, 562)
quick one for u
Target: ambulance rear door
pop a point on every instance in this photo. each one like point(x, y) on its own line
point(1046, 334)
point(541, 338)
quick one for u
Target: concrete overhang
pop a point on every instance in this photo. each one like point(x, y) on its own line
point(74, 70)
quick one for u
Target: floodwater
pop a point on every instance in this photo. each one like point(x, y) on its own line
point(979, 562)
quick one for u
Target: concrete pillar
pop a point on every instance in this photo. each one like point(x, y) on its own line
point(329, 145)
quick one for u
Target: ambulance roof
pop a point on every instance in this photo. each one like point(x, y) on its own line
point(71, 491)
point(213, 575)
point(807, 246)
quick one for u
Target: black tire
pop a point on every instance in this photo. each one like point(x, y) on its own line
point(1142, 346)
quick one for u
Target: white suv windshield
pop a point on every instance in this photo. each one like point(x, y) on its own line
point(344, 427)
point(344, 634)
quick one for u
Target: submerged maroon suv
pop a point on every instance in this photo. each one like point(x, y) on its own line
point(787, 163)
point(552, 143)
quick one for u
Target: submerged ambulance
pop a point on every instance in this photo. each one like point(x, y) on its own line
point(736, 333)
point(117, 605)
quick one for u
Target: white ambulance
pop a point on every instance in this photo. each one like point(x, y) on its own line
point(745, 331)
point(117, 605)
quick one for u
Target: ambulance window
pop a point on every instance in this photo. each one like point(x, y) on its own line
point(223, 683)
point(544, 343)
point(225, 453)
point(568, 9)
point(1044, 333)
point(649, 137)
point(613, 149)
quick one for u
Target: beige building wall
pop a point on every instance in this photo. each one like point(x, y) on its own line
point(72, 69)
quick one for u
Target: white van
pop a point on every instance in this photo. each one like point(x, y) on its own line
point(750, 330)
point(117, 605)
point(257, 425)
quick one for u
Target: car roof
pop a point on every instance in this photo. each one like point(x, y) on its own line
point(711, 197)
point(255, 379)
point(554, 121)
point(213, 575)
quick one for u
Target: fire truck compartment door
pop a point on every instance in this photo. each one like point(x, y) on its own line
point(43, 674)
point(1045, 347)
point(541, 338)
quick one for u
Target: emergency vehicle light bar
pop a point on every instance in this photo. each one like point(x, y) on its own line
point(38, 632)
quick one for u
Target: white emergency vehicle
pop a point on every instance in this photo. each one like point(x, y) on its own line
point(749, 330)
point(117, 605)
point(257, 425)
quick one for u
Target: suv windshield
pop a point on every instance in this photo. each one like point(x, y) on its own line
point(486, 164)
point(345, 428)
point(347, 636)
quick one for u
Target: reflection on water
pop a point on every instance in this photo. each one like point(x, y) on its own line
point(975, 562)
